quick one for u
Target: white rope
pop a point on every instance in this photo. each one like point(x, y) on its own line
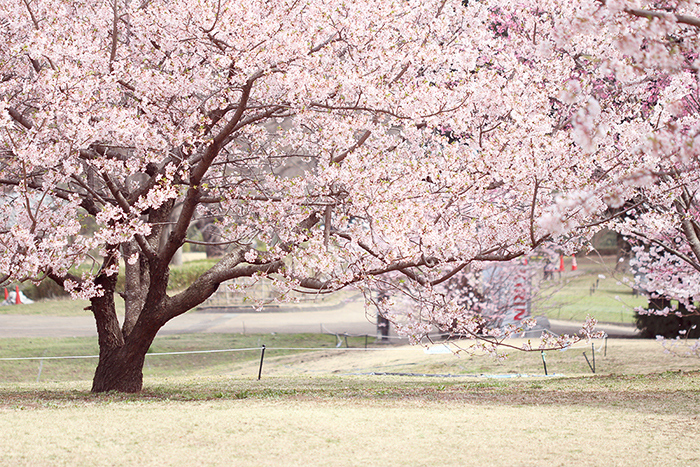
point(7, 359)
point(332, 348)
point(204, 351)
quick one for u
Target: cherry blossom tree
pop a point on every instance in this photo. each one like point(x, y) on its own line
point(334, 143)
point(656, 205)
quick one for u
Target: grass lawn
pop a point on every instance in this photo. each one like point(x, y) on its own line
point(357, 407)
point(57, 307)
point(48, 369)
point(353, 421)
point(616, 356)
point(595, 288)
point(325, 407)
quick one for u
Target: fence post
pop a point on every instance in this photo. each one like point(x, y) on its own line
point(262, 357)
point(544, 362)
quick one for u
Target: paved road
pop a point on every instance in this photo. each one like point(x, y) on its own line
point(348, 317)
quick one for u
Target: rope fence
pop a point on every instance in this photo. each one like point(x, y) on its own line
point(263, 348)
point(154, 354)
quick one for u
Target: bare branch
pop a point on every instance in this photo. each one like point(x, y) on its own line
point(122, 202)
point(334, 38)
point(449, 275)
point(532, 212)
point(669, 249)
point(115, 31)
point(31, 14)
point(216, 18)
point(401, 73)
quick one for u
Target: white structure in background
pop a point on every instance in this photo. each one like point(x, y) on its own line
point(12, 298)
point(507, 290)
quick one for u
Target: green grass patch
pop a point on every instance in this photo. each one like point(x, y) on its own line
point(595, 289)
point(156, 365)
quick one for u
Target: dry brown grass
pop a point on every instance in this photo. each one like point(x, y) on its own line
point(459, 425)
point(619, 418)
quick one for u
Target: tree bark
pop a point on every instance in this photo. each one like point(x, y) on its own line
point(120, 368)
point(122, 355)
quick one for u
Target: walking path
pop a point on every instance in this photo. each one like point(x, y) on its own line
point(348, 317)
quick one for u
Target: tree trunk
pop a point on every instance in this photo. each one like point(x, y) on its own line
point(120, 366)
point(119, 370)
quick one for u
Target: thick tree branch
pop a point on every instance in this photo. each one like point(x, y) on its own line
point(365, 136)
point(231, 266)
point(650, 14)
point(19, 118)
point(194, 192)
point(115, 32)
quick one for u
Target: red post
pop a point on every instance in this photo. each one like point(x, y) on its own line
point(18, 301)
point(7, 294)
point(561, 263)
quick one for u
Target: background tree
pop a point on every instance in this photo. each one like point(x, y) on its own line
point(333, 142)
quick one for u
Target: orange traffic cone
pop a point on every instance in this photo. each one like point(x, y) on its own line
point(561, 263)
point(574, 266)
point(18, 301)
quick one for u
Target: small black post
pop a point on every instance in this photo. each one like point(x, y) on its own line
point(593, 355)
point(544, 362)
point(346, 341)
point(262, 356)
point(365, 341)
